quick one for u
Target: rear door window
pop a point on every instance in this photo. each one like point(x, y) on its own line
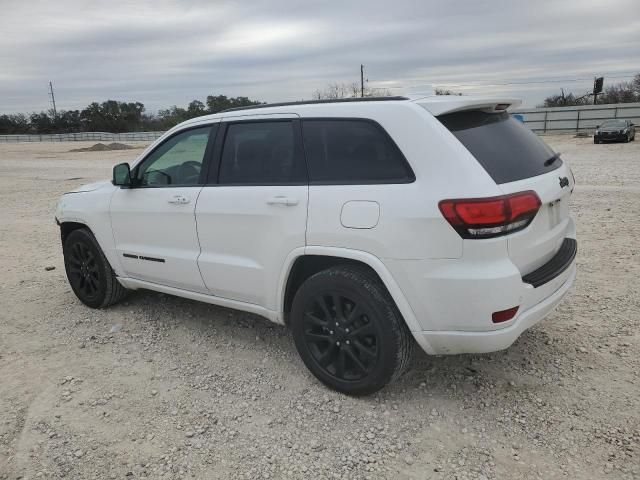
point(262, 153)
point(352, 151)
point(506, 149)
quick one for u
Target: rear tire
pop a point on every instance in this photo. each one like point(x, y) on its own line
point(595, 140)
point(349, 332)
point(91, 277)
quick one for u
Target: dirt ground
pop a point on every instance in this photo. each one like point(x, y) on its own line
point(166, 387)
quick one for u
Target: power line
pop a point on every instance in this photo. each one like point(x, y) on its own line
point(533, 82)
point(561, 80)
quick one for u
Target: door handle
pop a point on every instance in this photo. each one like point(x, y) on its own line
point(289, 202)
point(179, 200)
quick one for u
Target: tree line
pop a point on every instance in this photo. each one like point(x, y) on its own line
point(114, 116)
point(623, 92)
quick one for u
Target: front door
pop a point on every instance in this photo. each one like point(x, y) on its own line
point(153, 222)
point(254, 211)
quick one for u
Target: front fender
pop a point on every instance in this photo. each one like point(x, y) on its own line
point(92, 209)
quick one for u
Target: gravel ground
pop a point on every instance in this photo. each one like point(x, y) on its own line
point(166, 387)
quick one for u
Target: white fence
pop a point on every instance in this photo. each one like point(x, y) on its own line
point(83, 136)
point(584, 118)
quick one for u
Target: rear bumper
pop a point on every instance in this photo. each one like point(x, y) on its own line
point(561, 261)
point(454, 342)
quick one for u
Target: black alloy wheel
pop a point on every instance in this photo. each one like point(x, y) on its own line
point(348, 330)
point(341, 337)
point(83, 268)
point(91, 277)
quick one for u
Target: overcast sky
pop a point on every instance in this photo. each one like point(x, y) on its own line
point(163, 53)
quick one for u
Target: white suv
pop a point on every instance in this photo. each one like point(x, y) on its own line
point(359, 224)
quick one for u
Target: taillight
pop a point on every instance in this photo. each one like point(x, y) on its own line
point(493, 216)
point(574, 180)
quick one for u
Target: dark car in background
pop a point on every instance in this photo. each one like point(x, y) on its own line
point(615, 131)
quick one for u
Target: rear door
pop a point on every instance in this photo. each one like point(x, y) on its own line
point(252, 213)
point(518, 160)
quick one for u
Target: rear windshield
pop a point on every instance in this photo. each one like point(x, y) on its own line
point(506, 149)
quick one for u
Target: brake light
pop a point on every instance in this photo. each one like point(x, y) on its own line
point(493, 216)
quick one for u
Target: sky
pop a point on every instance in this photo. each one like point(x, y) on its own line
point(164, 53)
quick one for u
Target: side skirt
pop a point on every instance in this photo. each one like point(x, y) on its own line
point(134, 284)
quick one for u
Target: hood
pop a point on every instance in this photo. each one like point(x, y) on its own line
point(90, 187)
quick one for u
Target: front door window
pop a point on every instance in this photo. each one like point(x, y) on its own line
point(177, 162)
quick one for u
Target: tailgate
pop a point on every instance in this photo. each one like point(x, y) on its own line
point(518, 160)
point(538, 243)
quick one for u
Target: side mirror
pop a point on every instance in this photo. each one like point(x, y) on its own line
point(632, 124)
point(122, 175)
point(597, 126)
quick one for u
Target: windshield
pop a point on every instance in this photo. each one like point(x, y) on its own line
point(506, 149)
point(614, 124)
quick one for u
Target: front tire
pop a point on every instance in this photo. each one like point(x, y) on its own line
point(595, 140)
point(91, 277)
point(348, 330)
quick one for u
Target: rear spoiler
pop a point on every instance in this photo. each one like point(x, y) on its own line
point(441, 104)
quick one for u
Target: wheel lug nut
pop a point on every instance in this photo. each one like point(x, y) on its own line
point(348, 342)
point(330, 332)
point(346, 330)
point(337, 324)
point(338, 343)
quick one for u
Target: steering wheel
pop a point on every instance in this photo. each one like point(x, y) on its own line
point(152, 174)
point(189, 172)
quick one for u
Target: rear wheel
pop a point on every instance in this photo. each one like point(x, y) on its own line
point(348, 330)
point(91, 277)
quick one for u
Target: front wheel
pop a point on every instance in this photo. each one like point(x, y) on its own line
point(595, 140)
point(348, 330)
point(91, 277)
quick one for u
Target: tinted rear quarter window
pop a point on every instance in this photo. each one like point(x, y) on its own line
point(352, 151)
point(506, 149)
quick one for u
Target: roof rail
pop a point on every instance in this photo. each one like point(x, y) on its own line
point(313, 102)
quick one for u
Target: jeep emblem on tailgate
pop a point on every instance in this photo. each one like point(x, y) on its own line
point(564, 182)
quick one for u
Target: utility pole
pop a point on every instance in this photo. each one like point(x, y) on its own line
point(361, 80)
point(53, 100)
